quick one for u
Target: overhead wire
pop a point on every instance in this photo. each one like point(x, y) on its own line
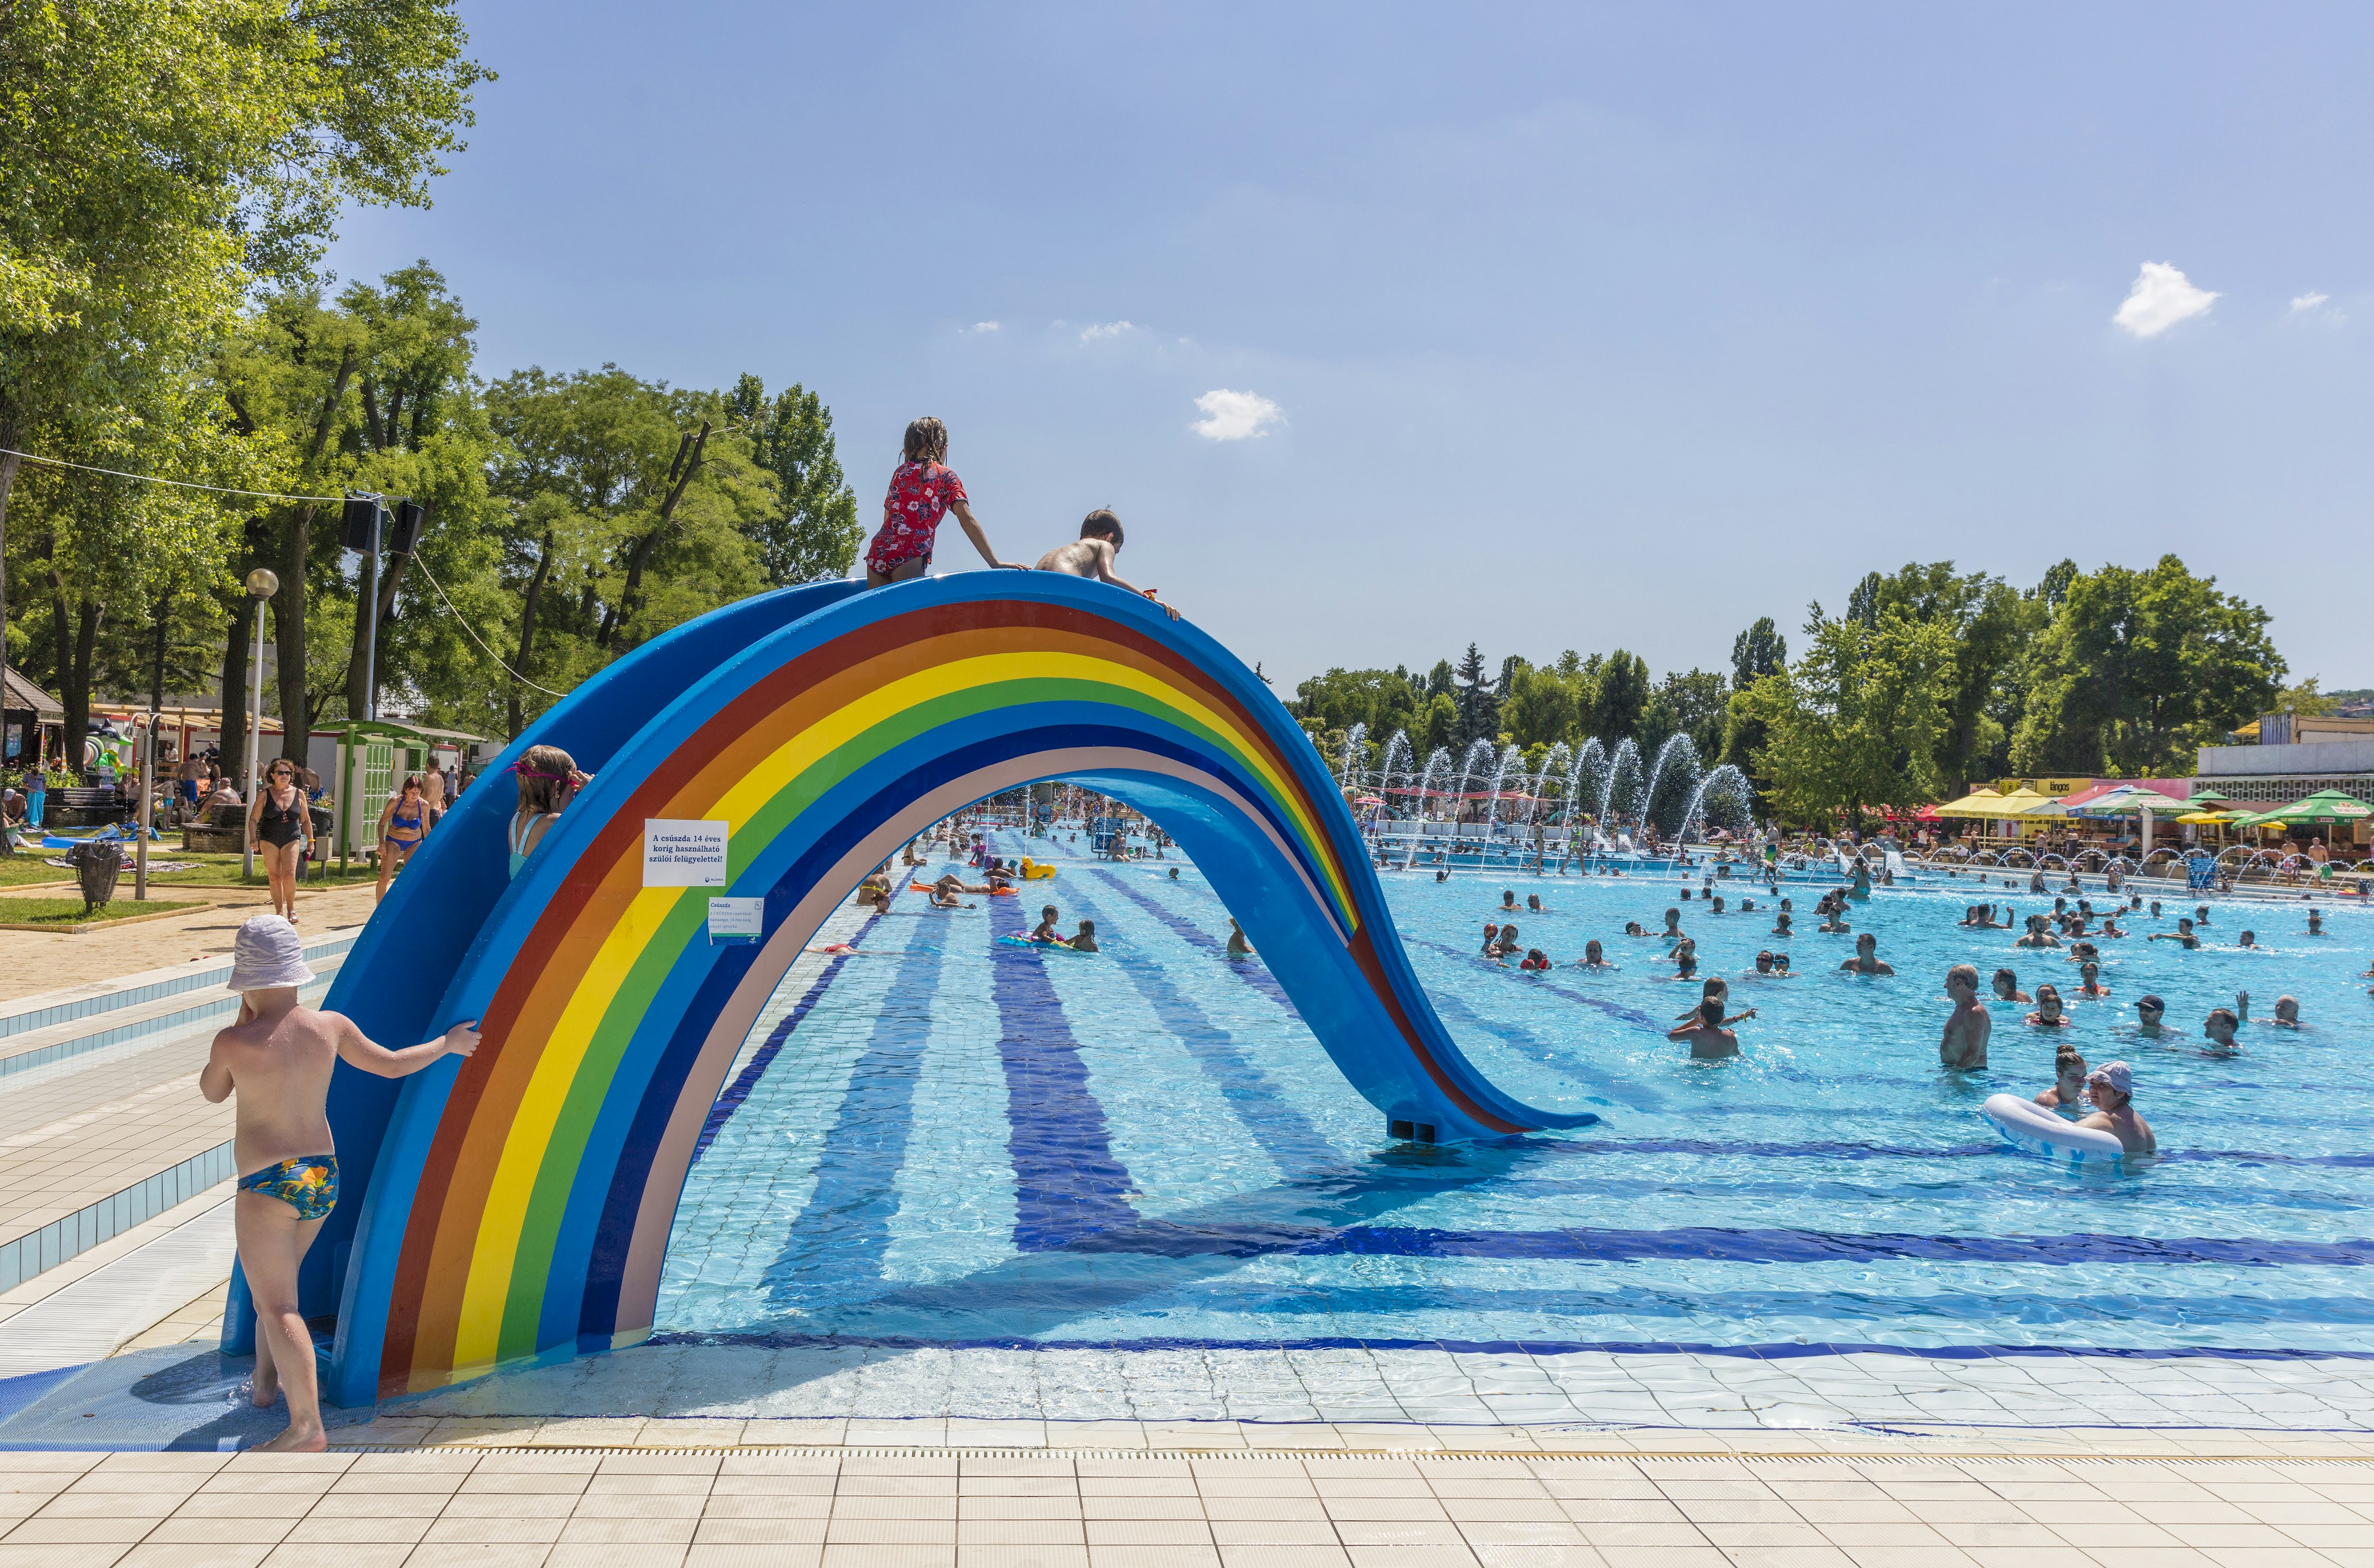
point(276, 496)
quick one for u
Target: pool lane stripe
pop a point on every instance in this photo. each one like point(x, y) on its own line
point(1781, 1352)
point(1254, 974)
point(756, 1068)
point(847, 1217)
point(1067, 1182)
point(1261, 1104)
point(1597, 1244)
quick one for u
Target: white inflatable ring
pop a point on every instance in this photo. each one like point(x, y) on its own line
point(2031, 1128)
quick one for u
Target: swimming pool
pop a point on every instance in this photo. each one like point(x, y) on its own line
point(948, 1142)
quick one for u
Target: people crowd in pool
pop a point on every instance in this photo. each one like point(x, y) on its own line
point(2076, 930)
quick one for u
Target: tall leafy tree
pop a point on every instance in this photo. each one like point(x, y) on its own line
point(632, 514)
point(2138, 668)
point(1854, 723)
point(158, 159)
point(1621, 697)
point(1759, 650)
point(1690, 704)
point(814, 534)
point(1990, 624)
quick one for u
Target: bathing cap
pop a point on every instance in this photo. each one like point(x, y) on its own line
point(267, 953)
point(2116, 1074)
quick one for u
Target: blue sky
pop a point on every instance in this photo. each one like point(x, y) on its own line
point(1540, 327)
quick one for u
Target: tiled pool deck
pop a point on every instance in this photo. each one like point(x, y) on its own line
point(908, 1508)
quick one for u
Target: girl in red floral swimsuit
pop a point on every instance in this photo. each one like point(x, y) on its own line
point(922, 490)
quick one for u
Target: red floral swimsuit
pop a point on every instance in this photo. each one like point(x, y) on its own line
point(919, 493)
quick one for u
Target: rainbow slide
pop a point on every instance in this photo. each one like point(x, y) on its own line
point(515, 1208)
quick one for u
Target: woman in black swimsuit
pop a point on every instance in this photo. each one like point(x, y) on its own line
point(281, 830)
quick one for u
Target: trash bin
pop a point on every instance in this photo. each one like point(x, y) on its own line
point(96, 864)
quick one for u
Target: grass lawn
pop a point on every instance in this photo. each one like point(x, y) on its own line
point(69, 912)
point(28, 866)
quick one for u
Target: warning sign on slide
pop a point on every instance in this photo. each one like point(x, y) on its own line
point(683, 854)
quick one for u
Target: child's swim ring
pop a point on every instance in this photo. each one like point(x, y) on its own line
point(2032, 1130)
point(1028, 945)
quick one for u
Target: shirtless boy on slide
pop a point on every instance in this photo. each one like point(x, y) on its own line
point(1091, 554)
point(277, 1058)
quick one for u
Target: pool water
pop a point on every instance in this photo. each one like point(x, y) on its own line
point(952, 1141)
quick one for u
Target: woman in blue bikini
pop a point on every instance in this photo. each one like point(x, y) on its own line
point(402, 824)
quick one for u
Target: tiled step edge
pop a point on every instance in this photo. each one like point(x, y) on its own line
point(167, 983)
point(190, 1017)
point(67, 1237)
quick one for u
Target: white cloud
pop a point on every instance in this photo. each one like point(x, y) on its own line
point(979, 327)
point(1106, 329)
point(2309, 302)
point(1234, 416)
point(2161, 298)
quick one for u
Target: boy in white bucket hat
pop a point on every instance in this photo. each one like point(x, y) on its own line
point(279, 1057)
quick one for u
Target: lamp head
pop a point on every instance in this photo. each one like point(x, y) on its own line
point(262, 583)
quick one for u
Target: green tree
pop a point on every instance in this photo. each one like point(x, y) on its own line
point(160, 159)
point(2138, 668)
point(1437, 725)
point(1384, 700)
point(1541, 707)
point(1854, 723)
point(1759, 650)
point(1439, 681)
point(1690, 704)
point(1621, 698)
point(630, 515)
point(814, 534)
point(1990, 624)
point(1479, 705)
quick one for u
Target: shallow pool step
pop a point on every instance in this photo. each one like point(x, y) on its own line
point(40, 1030)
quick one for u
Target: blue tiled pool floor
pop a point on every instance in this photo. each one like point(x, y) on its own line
point(966, 1180)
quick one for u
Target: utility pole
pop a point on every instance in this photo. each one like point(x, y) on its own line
point(262, 584)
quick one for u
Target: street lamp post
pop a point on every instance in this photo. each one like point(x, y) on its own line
point(261, 586)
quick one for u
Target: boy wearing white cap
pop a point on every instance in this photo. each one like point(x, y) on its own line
point(2111, 1088)
point(279, 1057)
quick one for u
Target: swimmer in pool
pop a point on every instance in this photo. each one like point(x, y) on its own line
point(1509, 900)
point(1688, 962)
point(1238, 946)
point(1507, 944)
point(2111, 1088)
point(1593, 958)
point(1764, 962)
point(2219, 1027)
point(1964, 1047)
point(1045, 930)
point(1780, 924)
point(1867, 960)
point(1716, 989)
point(2068, 1091)
point(1780, 965)
point(2287, 1013)
point(1673, 923)
point(2315, 923)
point(2182, 935)
point(2047, 1014)
point(2149, 1010)
point(2110, 925)
point(2089, 981)
point(2036, 935)
point(1710, 1041)
point(1085, 939)
point(1535, 962)
point(1534, 904)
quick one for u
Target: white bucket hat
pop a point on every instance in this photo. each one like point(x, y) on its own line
point(267, 953)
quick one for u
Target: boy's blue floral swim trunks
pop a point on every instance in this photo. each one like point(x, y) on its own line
point(308, 1184)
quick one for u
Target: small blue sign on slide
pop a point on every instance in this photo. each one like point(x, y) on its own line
point(736, 919)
